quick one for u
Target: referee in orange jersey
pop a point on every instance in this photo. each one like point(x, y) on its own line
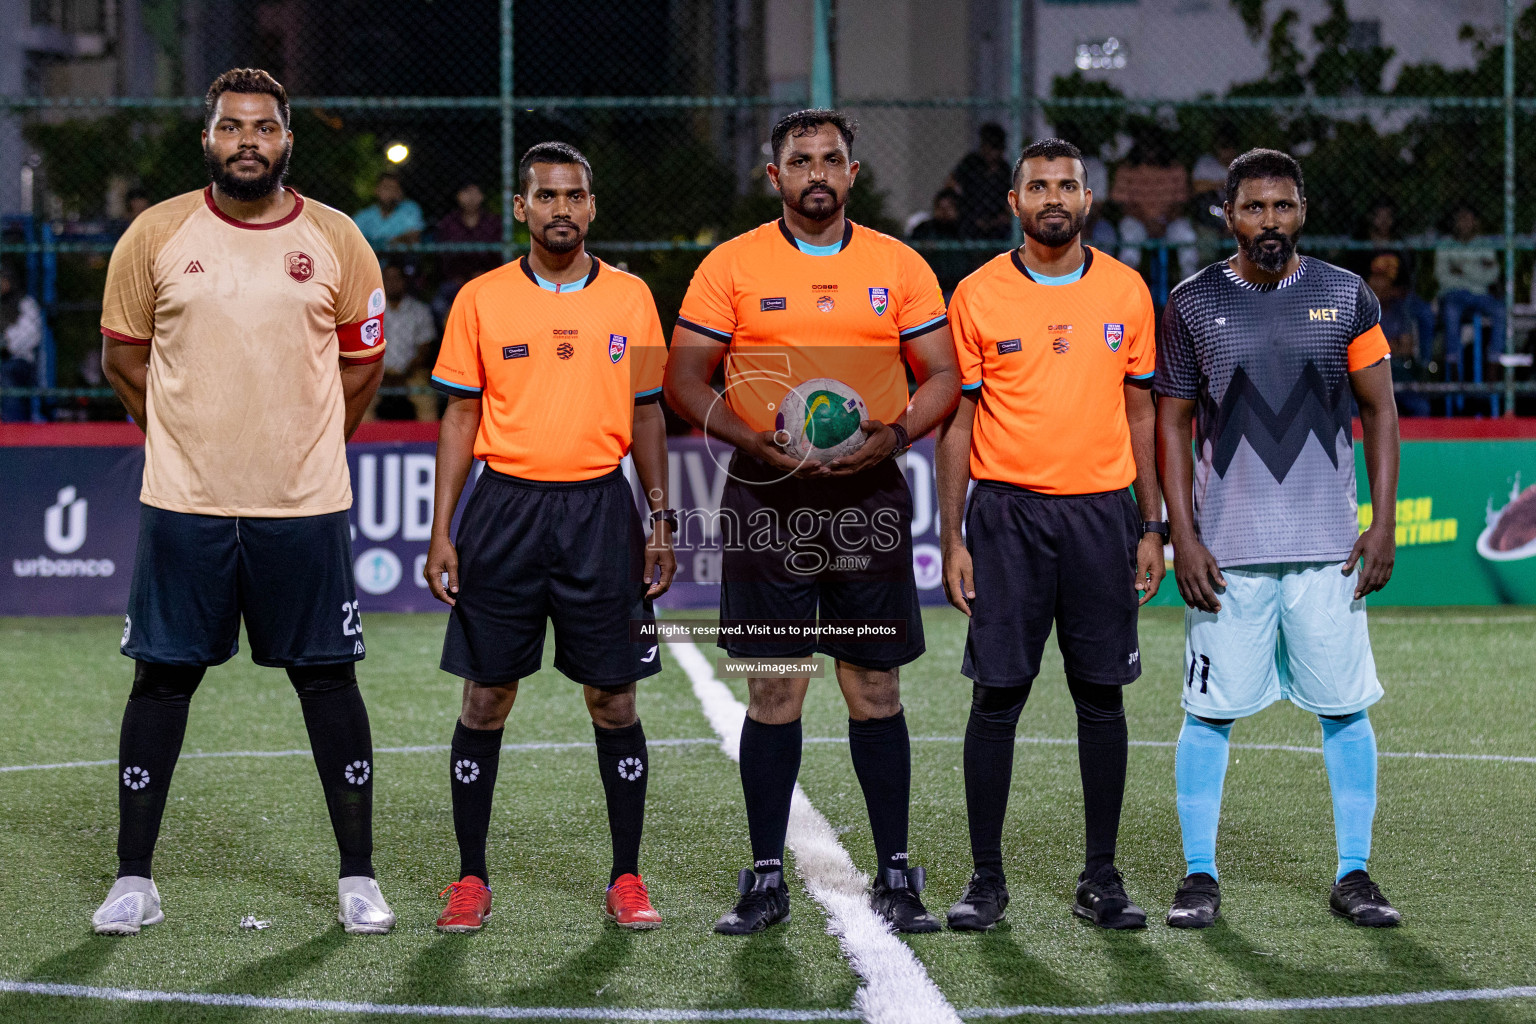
point(553, 368)
point(1056, 344)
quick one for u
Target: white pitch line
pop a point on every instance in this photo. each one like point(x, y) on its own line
point(1050, 741)
point(135, 995)
point(896, 988)
point(1468, 995)
point(1452, 620)
point(434, 748)
point(219, 999)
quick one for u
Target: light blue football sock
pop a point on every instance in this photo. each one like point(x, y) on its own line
point(1199, 771)
point(1349, 752)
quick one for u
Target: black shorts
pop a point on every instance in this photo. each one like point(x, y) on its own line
point(195, 576)
point(1041, 558)
point(842, 547)
point(532, 551)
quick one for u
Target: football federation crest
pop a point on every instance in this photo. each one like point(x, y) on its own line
point(299, 266)
point(1114, 334)
point(879, 298)
point(617, 343)
point(825, 303)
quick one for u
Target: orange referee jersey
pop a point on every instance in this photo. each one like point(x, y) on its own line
point(558, 369)
point(1048, 365)
point(790, 315)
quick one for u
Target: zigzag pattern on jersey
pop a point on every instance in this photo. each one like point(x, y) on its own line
point(1276, 437)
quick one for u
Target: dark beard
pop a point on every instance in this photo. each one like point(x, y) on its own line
point(247, 190)
point(1054, 236)
point(560, 246)
point(798, 204)
point(1269, 262)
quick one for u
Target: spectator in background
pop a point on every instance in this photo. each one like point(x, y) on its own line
point(1467, 276)
point(137, 201)
point(466, 222)
point(392, 219)
point(950, 265)
point(21, 332)
point(1153, 195)
point(1384, 279)
point(1392, 266)
point(982, 179)
point(411, 332)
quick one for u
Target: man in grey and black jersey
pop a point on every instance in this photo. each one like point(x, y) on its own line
point(1263, 353)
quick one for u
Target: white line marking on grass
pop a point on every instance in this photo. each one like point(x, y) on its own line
point(434, 748)
point(1049, 741)
point(1468, 995)
point(896, 987)
point(135, 995)
point(1451, 620)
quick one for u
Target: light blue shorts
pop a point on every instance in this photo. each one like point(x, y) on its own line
point(1288, 631)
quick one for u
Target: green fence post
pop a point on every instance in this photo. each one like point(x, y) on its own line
point(508, 164)
point(823, 89)
point(1509, 204)
point(1016, 93)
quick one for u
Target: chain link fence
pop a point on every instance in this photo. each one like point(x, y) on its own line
point(673, 101)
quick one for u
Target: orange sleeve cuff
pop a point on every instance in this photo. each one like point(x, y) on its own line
point(130, 339)
point(1371, 347)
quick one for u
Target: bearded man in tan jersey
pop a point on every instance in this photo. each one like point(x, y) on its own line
point(242, 329)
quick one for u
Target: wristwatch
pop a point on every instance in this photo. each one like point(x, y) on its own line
point(1159, 527)
point(903, 442)
point(665, 515)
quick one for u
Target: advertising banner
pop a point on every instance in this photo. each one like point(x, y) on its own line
point(1466, 525)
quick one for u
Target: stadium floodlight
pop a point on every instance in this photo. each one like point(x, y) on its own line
point(397, 153)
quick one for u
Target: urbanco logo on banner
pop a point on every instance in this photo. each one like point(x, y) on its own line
point(64, 523)
point(65, 528)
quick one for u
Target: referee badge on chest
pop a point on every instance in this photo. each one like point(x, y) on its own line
point(879, 298)
point(1114, 334)
point(617, 343)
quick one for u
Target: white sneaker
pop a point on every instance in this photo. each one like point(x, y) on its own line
point(363, 910)
point(133, 903)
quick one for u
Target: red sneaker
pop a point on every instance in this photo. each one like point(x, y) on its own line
point(469, 904)
point(629, 906)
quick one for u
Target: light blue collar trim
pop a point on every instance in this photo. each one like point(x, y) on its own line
point(551, 286)
point(819, 250)
point(1063, 279)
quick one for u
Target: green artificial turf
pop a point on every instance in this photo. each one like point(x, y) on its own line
point(249, 835)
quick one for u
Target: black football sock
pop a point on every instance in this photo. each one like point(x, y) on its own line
point(989, 738)
point(1102, 742)
point(882, 759)
point(337, 722)
point(770, 764)
point(473, 762)
point(154, 723)
point(622, 759)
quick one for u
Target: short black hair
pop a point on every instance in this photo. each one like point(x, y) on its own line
point(1263, 163)
point(992, 134)
point(805, 122)
point(245, 80)
point(549, 153)
point(1045, 149)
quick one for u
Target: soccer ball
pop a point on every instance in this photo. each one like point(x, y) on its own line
point(818, 421)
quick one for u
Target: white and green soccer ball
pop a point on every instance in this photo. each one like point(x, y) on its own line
point(818, 421)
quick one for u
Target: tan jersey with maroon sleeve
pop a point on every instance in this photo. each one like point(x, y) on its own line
point(247, 324)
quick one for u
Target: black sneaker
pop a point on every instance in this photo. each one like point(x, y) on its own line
point(764, 902)
point(1358, 899)
point(1103, 901)
point(1197, 904)
point(894, 897)
point(981, 906)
